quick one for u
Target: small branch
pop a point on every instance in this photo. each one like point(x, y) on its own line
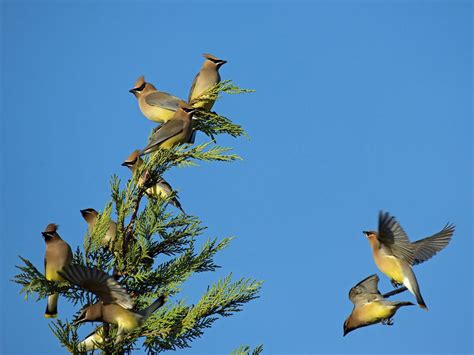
point(395, 292)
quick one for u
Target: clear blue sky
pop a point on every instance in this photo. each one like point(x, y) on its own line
point(360, 106)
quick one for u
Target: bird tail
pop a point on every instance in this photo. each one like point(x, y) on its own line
point(175, 202)
point(412, 284)
point(52, 306)
point(160, 301)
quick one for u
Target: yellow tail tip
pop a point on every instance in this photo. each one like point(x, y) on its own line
point(50, 315)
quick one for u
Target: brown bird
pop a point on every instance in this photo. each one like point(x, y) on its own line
point(114, 305)
point(370, 307)
point(207, 77)
point(155, 105)
point(159, 190)
point(58, 255)
point(395, 255)
point(90, 216)
point(173, 132)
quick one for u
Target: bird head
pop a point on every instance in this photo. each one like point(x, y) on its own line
point(90, 313)
point(50, 231)
point(132, 159)
point(186, 108)
point(370, 234)
point(214, 60)
point(347, 328)
point(89, 214)
point(141, 87)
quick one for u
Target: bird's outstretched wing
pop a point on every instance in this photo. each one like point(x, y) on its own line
point(99, 283)
point(426, 248)
point(392, 235)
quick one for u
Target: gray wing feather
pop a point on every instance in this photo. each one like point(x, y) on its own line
point(163, 100)
point(392, 235)
point(426, 248)
point(99, 283)
point(164, 132)
point(193, 85)
point(366, 290)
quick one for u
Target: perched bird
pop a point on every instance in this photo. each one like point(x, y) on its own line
point(155, 105)
point(173, 132)
point(370, 307)
point(395, 255)
point(114, 305)
point(90, 216)
point(207, 77)
point(159, 190)
point(58, 255)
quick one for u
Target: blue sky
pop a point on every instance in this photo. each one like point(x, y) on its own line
point(360, 106)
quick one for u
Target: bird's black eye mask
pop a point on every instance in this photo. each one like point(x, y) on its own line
point(140, 88)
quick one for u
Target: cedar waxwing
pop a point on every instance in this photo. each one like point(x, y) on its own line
point(395, 255)
point(370, 307)
point(207, 77)
point(160, 190)
point(114, 305)
point(90, 216)
point(58, 255)
point(173, 132)
point(155, 105)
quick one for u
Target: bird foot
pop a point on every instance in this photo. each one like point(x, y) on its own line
point(395, 283)
point(387, 321)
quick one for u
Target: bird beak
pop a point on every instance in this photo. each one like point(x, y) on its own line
point(366, 233)
point(133, 91)
point(124, 163)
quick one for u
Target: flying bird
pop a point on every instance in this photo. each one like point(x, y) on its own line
point(370, 307)
point(395, 255)
point(114, 305)
point(58, 255)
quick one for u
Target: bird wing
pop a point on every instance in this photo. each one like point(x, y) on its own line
point(99, 283)
point(165, 186)
point(426, 248)
point(165, 131)
point(163, 100)
point(193, 85)
point(366, 290)
point(392, 235)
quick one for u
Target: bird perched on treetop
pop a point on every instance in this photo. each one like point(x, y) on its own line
point(370, 307)
point(173, 132)
point(155, 105)
point(159, 190)
point(58, 255)
point(90, 216)
point(395, 255)
point(206, 78)
point(114, 305)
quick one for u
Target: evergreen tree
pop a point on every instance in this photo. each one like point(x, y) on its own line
point(148, 230)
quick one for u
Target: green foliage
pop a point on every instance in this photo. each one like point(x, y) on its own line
point(155, 250)
point(245, 350)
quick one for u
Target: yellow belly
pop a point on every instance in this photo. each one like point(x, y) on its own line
point(177, 139)
point(127, 321)
point(205, 105)
point(375, 311)
point(156, 192)
point(157, 114)
point(390, 266)
point(51, 273)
